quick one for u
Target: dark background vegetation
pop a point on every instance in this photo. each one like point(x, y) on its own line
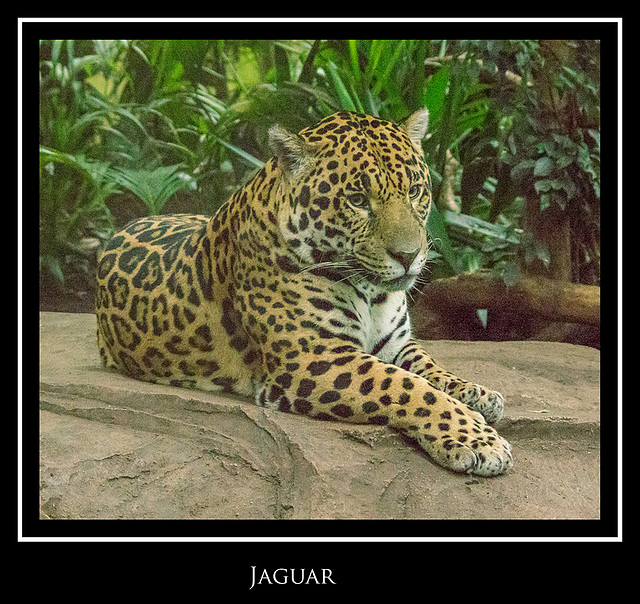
point(136, 127)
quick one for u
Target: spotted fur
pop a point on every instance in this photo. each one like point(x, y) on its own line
point(294, 293)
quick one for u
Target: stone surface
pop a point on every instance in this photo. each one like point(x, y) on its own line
point(114, 447)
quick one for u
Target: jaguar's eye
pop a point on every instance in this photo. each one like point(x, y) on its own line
point(415, 191)
point(358, 200)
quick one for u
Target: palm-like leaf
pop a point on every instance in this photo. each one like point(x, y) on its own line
point(153, 187)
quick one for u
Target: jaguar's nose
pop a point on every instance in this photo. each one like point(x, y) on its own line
point(404, 258)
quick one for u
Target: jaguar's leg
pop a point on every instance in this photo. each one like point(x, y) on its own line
point(414, 358)
point(355, 387)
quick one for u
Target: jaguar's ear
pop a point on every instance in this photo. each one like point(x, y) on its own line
point(416, 127)
point(295, 155)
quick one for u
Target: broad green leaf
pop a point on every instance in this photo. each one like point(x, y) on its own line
point(355, 65)
point(52, 265)
point(542, 186)
point(281, 58)
point(438, 233)
point(511, 274)
point(254, 161)
point(544, 167)
point(341, 90)
point(480, 226)
point(435, 94)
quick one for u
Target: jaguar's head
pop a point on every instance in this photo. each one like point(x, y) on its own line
point(355, 194)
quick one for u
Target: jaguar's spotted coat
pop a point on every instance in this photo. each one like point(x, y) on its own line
point(294, 293)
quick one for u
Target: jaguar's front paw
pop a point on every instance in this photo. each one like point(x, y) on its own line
point(488, 403)
point(465, 443)
point(491, 405)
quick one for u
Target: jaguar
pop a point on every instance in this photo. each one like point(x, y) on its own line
point(295, 293)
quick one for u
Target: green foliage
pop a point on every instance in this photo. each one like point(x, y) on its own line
point(74, 218)
point(154, 118)
point(153, 187)
point(553, 151)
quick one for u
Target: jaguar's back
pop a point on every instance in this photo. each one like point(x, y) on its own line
point(160, 318)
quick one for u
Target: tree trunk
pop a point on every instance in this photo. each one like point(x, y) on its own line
point(552, 228)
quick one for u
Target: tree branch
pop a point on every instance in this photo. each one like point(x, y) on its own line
point(555, 300)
